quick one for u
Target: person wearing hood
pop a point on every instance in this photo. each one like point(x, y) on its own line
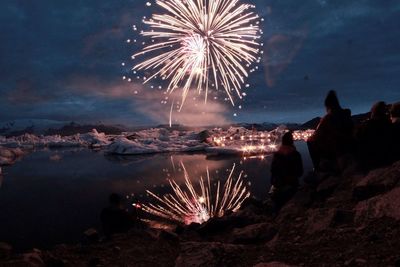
point(374, 139)
point(333, 140)
point(286, 169)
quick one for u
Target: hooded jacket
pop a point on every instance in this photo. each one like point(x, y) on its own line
point(286, 167)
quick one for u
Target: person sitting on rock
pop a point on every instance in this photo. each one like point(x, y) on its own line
point(374, 138)
point(395, 118)
point(332, 141)
point(114, 218)
point(286, 169)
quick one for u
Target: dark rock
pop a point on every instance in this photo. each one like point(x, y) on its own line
point(374, 237)
point(193, 226)
point(33, 258)
point(179, 229)
point(377, 182)
point(251, 234)
point(326, 188)
point(116, 249)
point(319, 220)
point(297, 206)
point(94, 262)
point(51, 261)
point(5, 250)
point(169, 237)
point(356, 262)
point(252, 203)
point(397, 263)
point(342, 217)
point(212, 254)
point(273, 264)
point(386, 205)
point(91, 235)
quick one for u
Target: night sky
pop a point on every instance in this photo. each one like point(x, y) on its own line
point(61, 60)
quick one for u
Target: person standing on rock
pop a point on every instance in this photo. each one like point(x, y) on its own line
point(374, 138)
point(286, 169)
point(395, 118)
point(332, 142)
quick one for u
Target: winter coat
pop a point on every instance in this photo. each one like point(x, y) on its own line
point(286, 167)
point(334, 135)
point(374, 139)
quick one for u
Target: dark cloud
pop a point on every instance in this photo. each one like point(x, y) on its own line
point(62, 60)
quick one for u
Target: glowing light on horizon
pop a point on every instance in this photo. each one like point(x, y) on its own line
point(188, 205)
point(201, 44)
point(257, 143)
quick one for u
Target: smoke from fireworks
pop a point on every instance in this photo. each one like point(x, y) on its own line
point(201, 44)
point(187, 205)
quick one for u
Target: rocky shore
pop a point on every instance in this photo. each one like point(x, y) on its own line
point(348, 220)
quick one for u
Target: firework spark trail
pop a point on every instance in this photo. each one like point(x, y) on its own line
point(187, 205)
point(201, 43)
point(170, 114)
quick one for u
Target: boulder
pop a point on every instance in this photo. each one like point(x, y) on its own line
point(209, 254)
point(53, 261)
point(91, 235)
point(255, 233)
point(376, 182)
point(5, 250)
point(31, 259)
point(326, 188)
point(296, 206)
point(324, 218)
point(319, 219)
point(342, 217)
point(170, 237)
point(386, 205)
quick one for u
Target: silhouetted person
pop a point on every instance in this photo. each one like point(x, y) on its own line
point(374, 138)
point(332, 141)
point(286, 169)
point(395, 118)
point(114, 218)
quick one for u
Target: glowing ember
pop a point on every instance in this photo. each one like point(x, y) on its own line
point(202, 43)
point(188, 206)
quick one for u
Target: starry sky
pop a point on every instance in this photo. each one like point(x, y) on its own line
point(62, 60)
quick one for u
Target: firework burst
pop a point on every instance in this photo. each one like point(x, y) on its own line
point(201, 44)
point(186, 205)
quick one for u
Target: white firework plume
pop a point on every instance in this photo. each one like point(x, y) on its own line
point(187, 205)
point(201, 44)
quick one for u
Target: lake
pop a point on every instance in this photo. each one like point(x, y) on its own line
point(53, 196)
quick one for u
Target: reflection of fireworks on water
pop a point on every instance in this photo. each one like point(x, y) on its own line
point(187, 205)
point(202, 43)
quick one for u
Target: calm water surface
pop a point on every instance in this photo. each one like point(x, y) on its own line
point(53, 196)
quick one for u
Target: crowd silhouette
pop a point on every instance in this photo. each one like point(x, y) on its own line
point(371, 144)
point(338, 143)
